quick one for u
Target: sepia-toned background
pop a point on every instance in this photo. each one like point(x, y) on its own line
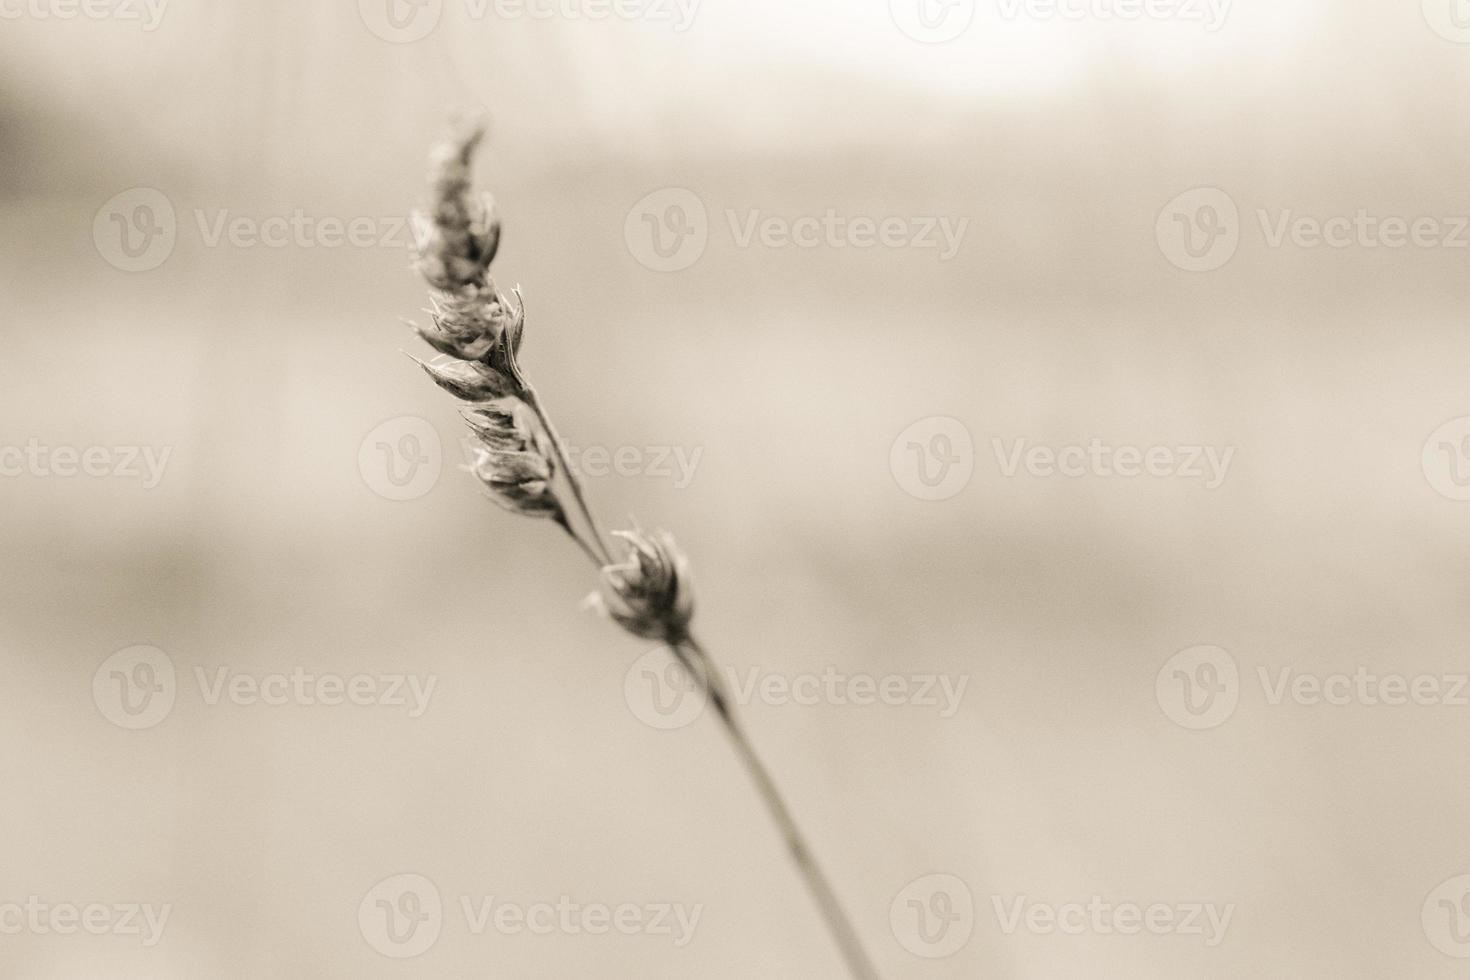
point(1235, 690)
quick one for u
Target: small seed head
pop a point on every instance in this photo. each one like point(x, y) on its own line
point(512, 458)
point(650, 594)
point(461, 228)
point(471, 381)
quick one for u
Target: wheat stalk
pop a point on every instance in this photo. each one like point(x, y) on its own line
point(519, 456)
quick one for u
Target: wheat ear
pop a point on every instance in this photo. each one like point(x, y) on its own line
point(519, 455)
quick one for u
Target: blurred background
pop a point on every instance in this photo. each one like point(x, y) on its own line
point(218, 467)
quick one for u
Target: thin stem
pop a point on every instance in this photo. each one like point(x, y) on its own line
point(566, 525)
point(534, 400)
point(699, 664)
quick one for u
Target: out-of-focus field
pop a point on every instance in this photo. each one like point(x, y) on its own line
point(791, 371)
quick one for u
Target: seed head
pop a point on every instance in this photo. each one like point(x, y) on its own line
point(471, 381)
point(649, 594)
point(512, 459)
point(467, 324)
point(461, 229)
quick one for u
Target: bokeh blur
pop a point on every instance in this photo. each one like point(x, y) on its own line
point(1095, 363)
